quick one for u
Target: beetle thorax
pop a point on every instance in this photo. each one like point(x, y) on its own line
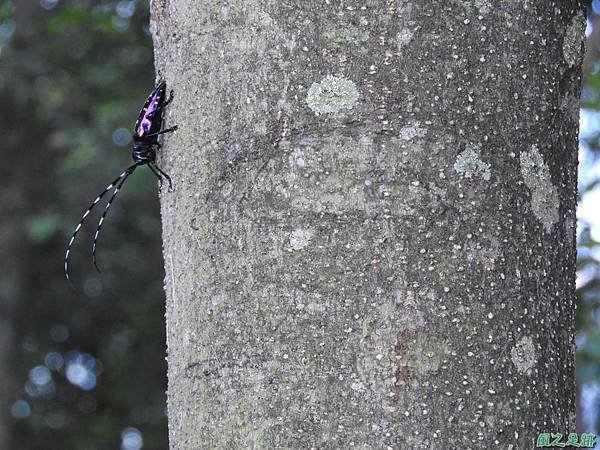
point(143, 153)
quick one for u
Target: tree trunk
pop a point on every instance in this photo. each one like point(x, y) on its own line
point(371, 239)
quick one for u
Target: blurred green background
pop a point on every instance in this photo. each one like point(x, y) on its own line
point(588, 234)
point(86, 369)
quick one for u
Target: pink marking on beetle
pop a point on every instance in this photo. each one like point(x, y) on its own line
point(146, 122)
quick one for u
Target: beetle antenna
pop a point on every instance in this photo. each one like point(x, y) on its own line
point(87, 212)
point(128, 172)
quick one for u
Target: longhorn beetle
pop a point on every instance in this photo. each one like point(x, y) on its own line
point(145, 143)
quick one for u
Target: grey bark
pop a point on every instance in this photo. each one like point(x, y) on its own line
point(370, 243)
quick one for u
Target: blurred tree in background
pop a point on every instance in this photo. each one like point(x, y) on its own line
point(83, 368)
point(588, 269)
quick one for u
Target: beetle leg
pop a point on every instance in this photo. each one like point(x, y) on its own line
point(168, 130)
point(164, 175)
point(168, 100)
point(160, 180)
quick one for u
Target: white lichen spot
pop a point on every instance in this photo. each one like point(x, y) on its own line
point(544, 195)
point(412, 131)
point(357, 387)
point(570, 104)
point(523, 355)
point(483, 6)
point(483, 254)
point(570, 229)
point(471, 166)
point(365, 140)
point(404, 37)
point(332, 95)
point(297, 159)
point(300, 238)
point(573, 40)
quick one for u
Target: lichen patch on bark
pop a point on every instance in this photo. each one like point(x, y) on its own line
point(404, 36)
point(573, 40)
point(299, 239)
point(523, 355)
point(469, 165)
point(418, 353)
point(544, 195)
point(412, 130)
point(331, 95)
